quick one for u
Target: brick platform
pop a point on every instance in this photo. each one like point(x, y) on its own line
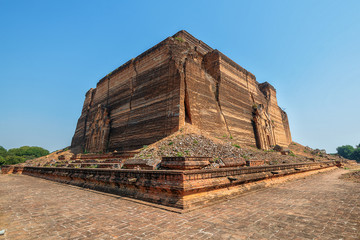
point(318, 207)
point(180, 189)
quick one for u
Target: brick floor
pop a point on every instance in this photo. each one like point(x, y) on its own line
point(318, 207)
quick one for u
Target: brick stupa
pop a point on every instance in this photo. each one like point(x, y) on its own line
point(179, 81)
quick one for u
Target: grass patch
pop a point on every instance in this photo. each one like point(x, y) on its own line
point(180, 39)
point(179, 154)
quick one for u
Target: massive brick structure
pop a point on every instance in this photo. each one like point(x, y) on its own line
point(179, 81)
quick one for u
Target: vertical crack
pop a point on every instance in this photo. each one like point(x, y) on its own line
point(108, 92)
point(108, 115)
point(186, 98)
point(132, 85)
point(131, 94)
point(218, 102)
point(214, 72)
point(247, 84)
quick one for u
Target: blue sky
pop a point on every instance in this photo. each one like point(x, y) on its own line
point(52, 52)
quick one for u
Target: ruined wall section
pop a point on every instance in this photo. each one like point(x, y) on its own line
point(198, 104)
point(219, 97)
point(151, 110)
point(201, 102)
point(286, 125)
point(237, 93)
point(277, 115)
point(79, 136)
point(141, 99)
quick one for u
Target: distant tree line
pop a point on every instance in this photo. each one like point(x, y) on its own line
point(349, 152)
point(20, 155)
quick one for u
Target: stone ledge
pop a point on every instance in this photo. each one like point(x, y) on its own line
point(185, 163)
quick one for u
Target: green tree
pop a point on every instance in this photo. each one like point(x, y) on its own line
point(349, 152)
point(356, 154)
point(345, 151)
point(2, 160)
point(29, 152)
point(3, 151)
point(21, 154)
point(13, 159)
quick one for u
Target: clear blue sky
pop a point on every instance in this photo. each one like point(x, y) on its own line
point(52, 52)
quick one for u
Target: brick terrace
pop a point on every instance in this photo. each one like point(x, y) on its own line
point(318, 207)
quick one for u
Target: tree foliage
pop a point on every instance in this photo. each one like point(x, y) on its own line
point(33, 152)
point(19, 155)
point(2, 151)
point(349, 152)
point(2, 160)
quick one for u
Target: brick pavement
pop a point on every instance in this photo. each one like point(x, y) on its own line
point(318, 207)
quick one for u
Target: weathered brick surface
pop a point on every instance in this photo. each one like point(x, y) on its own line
point(318, 207)
point(252, 163)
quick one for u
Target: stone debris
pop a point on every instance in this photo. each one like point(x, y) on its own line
point(223, 150)
point(186, 145)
